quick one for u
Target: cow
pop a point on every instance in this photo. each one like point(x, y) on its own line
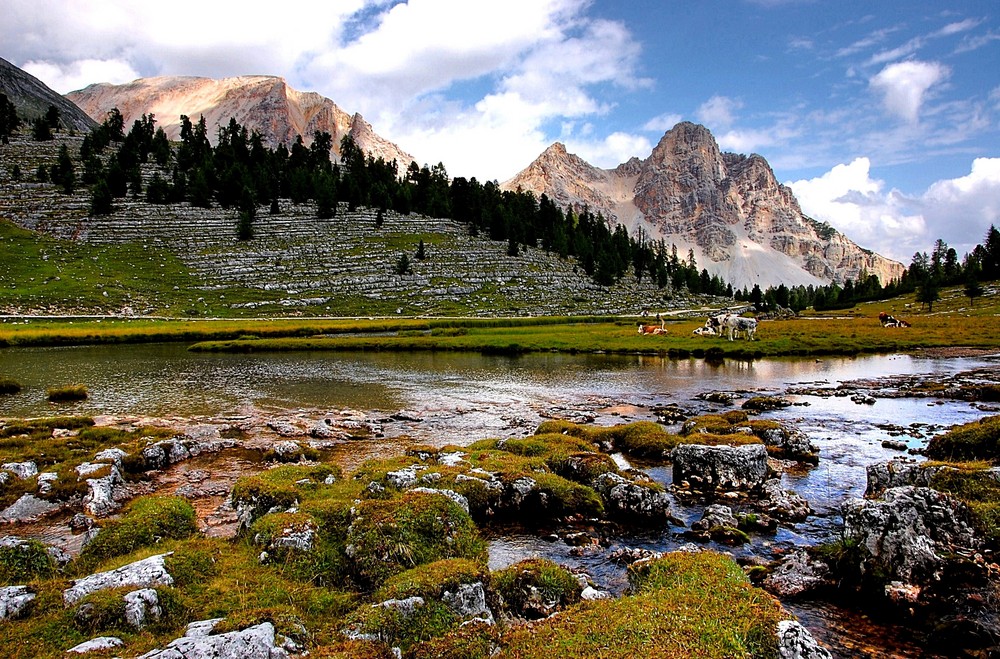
point(888, 321)
point(715, 324)
point(705, 331)
point(735, 324)
point(651, 329)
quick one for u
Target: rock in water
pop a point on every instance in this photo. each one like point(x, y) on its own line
point(720, 468)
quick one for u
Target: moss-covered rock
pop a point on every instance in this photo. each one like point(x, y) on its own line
point(387, 537)
point(535, 588)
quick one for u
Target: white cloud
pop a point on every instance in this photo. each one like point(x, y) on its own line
point(718, 111)
point(80, 73)
point(956, 210)
point(904, 86)
point(613, 150)
point(662, 123)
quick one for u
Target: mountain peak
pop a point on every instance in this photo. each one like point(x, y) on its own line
point(728, 208)
point(32, 98)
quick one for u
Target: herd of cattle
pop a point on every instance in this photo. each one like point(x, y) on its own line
point(730, 324)
point(733, 325)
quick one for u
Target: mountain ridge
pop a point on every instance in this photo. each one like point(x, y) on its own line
point(32, 98)
point(267, 104)
point(729, 209)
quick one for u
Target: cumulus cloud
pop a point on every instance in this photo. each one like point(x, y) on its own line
point(718, 111)
point(662, 123)
point(80, 73)
point(904, 86)
point(896, 225)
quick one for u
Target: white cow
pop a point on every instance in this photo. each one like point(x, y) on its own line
point(736, 324)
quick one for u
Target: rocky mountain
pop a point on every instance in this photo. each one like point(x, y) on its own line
point(32, 98)
point(262, 103)
point(741, 223)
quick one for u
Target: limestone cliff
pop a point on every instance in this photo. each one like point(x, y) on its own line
point(741, 223)
point(262, 103)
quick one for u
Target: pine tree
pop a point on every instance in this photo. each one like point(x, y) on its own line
point(101, 200)
point(421, 255)
point(403, 265)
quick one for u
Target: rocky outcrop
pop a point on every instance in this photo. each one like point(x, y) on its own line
point(14, 600)
point(257, 642)
point(147, 573)
point(265, 104)
point(899, 472)
point(101, 644)
point(631, 499)
point(795, 642)
point(720, 468)
point(796, 574)
point(730, 209)
point(911, 534)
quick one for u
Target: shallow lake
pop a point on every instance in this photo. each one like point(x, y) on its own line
point(464, 397)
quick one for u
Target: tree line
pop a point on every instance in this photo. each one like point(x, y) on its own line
point(241, 172)
point(925, 276)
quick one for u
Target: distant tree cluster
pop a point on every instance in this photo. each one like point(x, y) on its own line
point(9, 121)
point(925, 276)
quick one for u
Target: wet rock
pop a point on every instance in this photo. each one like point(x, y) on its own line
point(911, 534)
point(285, 428)
point(322, 429)
point(100, 644)
point(629, 555)
point(590, 593)
point(141, 606)
point(783, 504)
point(146, 573)
point(894, 444)
point(28, 508)
point(520, 490)
point(406, 415)
point(715, 515)
point(632, 499)
point(257, 642)
point(468, 602)
point(720, 468)
point(796, 574)
point(793, 444)
point(720, 397)
point(286, 451)
point(23, 470)
point(669, 414)
point(14, 601)
point(899, 472)
point(795, 642)
point(765, 403)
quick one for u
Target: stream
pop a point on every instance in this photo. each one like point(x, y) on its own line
point(458, 398)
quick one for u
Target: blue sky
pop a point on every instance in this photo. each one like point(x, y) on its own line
point(884, 117)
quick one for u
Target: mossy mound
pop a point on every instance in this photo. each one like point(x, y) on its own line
point(644, 439)
point(979, 440)
point(535, 588)
point(22, 561)
point(686, 605)
point(431, 580)
point(9, 386)
point(387, 537)
point(146, 521)
point(979, 488)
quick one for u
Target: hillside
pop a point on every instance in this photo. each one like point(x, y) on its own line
point(32, 98)
point(265, 104)
point(186, 261)
point(729, 209)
